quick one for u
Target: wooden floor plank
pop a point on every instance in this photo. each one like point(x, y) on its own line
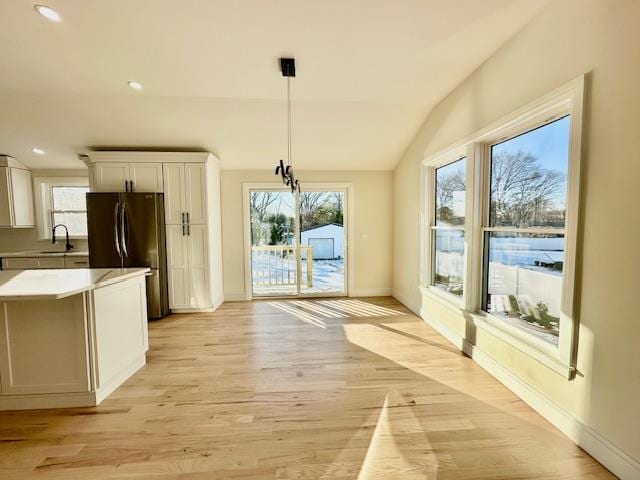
point(295, 390)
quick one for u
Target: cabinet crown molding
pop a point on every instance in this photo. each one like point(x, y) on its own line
point(152, 157)
point(9, 161)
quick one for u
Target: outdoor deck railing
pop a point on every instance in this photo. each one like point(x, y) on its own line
point(276, 264)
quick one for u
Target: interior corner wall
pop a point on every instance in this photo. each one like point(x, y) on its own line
point(568, 38)
point(372, 213)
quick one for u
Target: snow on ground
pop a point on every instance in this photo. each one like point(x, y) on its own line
point(328, 275)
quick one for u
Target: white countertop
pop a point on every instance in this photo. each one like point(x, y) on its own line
point(52, 284)
point(33, 254)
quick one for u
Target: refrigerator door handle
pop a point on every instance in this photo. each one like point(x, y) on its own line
point(116, 211)
point(123, 227)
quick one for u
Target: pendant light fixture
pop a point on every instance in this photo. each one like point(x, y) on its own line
point(288, 68)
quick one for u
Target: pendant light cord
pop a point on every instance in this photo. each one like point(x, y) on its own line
point(289, 121)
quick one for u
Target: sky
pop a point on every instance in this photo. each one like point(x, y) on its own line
point(549, 144)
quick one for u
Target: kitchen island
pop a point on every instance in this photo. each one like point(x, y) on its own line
point(69, 338)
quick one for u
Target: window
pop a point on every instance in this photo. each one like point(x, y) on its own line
point(69, 207)
point(61, 200)
point(447, 230)
point(502, 244)
point(524, 238)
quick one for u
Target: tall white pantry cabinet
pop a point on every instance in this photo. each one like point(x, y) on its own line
point(190, 182)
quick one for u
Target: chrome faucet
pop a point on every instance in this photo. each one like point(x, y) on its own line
point(67, 245)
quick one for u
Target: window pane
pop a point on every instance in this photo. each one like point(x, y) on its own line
point(448, 260)
point(75, 222)
point(450, 193)
point(529, 178)
point(523, 282)
point(69, 198)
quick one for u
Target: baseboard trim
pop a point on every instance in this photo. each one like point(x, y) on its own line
point(370, 292)
point(618, 462)
point(53, 400)
point(235, 297)
point(405, 301)
point(192, 310)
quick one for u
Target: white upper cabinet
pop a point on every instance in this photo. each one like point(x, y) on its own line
point(185, 193)
point(145, 177)
point(110, 177)
point(175, 203)
point(196, 194)
point(127, 177)
point(16, 194)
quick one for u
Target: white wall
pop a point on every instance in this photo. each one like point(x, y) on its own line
point(372, 204)
point(569, 38)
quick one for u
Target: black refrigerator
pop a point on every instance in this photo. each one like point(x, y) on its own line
point(127, 230)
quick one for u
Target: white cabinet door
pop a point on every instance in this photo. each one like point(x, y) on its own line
point(28, 263)
point(174, 193)
point(16, 198)
point(6, 209)
point(120, 319)
point(22, 189)
point(178, 267)
point(110, 177)
point(44, 346)
point(198, 267)
point(76, 262)
point(146, 177)
point(196, 192)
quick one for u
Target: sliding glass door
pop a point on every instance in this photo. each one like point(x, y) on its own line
point(322, 242)
point(298, 242)
point(274, 262)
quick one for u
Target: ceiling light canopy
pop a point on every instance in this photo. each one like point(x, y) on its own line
point(38, 151)
point(48, 13)
point(135, 85)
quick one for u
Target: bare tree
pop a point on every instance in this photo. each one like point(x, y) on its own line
point(259, 203)
point(310, 203)
point(522, 192)
point(445, 188)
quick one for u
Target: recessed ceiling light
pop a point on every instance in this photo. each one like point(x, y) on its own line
point(48, 13)
point(38, 151)
point(135, 85)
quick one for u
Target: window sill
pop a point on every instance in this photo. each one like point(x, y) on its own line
point(544, 353)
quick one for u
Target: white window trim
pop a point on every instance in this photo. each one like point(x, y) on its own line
point(42, 191)
point(430, 220)
point(567, 100)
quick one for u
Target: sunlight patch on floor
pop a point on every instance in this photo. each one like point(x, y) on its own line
point(314, 311)
point(358, 308)
point(300, 314)
point(398, 446)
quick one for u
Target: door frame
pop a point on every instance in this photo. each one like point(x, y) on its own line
point(346, 187)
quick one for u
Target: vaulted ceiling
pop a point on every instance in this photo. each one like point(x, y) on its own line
point(368, 73)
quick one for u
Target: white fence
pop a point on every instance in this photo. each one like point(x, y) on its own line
point(276, 264)
point(538, 285)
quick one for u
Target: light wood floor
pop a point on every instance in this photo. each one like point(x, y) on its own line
point(307, 389)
